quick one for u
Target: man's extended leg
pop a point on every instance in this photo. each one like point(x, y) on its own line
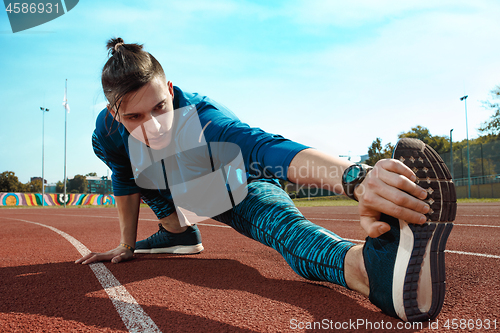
point(355, 271)
point(404, 267)
point(269, 216)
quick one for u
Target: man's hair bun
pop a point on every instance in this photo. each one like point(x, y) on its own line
point(115, 44)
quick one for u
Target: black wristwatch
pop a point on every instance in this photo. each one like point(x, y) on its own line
point(353, 176)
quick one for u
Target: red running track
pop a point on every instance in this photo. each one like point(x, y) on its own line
point(235, 285)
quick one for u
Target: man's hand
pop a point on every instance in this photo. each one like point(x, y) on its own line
point(115, 256)
point(389, 188)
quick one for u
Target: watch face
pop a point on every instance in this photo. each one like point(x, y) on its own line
point(352, 174)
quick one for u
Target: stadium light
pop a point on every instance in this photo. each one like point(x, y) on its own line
point(43, 144)
point(464, 98)
point(451, 153)
point(66, 111)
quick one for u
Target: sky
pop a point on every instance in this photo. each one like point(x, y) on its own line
point(333, 75)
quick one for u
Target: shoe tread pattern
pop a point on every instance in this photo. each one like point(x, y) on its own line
point(438, 234)
point(422, 234)
point(432, 175)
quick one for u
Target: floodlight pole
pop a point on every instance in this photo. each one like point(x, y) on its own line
point(65, 131)
point(43, 144)
point(451, 152)
point(464, 98)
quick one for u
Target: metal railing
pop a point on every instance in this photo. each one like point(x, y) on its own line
point(490, 179)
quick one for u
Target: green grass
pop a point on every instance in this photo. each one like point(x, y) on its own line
point(482, 200)
point(324, 201)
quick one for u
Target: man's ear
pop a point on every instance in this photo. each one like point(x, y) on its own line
point(112, 112)
point(170, 89)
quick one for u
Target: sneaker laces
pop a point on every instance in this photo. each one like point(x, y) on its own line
point(162, 230)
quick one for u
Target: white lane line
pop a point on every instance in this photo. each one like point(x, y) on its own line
point(479, 215)
point(448, 251)
point(358, 240)
point(454, 224)
point(354, 240)
point(475, 225)
point(310, 218)
point(131, 313)
point(474, 254)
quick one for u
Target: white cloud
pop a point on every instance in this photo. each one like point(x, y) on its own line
point(363, 12)
point(411, 72)
point(406, 63)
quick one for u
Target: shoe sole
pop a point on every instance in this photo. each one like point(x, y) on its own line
point(419, 277)
point(180, 249)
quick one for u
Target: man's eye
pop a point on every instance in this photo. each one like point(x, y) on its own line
point(133, 117)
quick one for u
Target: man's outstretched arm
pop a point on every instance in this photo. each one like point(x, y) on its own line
point(389, 188)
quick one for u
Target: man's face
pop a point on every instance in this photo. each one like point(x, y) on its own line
point(148, 113)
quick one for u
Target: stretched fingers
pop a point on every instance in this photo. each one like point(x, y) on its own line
point(373, 227)
point(398, 204)
point(397, 167)
point(89, 258)
point(392, 193)
point(92, 257)
point(388, 189)
point(398, 175)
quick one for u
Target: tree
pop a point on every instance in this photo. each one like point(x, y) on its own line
point(10, 183)
point(417, 132)
point(376, 152)
point(60, 186)
point(484, 156)
point(441, 144)
point(91, 174)
point(79, 184)
point(493, 125)
point(34, 186)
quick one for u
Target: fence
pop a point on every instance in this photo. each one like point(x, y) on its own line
point(35, 199)
point(484, 169)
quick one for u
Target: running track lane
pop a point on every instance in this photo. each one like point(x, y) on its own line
point(215, 292)
point(132, 314)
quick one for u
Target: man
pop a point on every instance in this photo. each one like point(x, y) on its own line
point(184, 153)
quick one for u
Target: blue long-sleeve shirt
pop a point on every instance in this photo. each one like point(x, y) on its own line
point(265, 156)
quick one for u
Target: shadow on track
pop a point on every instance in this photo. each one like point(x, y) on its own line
point(64, 290)
point(319, 299)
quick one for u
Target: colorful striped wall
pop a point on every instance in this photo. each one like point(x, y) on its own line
point(35, 199)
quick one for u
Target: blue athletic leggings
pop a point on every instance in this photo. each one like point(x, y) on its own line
point(268, 215)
